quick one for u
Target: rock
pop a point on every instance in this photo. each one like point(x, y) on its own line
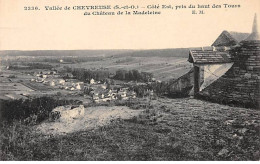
point(243, 131)
point(247, 75)
point(67, 114)
point(176, 144)
point(220, 142)
point(196, 149)
point(223, 152)
point(240, 137)
point(228, 122)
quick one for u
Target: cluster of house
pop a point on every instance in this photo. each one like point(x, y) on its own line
point(101, 93)
point(106, 95)
point(52, 78)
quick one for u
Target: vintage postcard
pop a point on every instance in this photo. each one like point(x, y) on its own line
point(129, 80)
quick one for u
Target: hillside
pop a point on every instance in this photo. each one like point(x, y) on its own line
point(166, 129)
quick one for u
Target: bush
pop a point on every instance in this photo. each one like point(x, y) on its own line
point(11, 76)
point(34, 109)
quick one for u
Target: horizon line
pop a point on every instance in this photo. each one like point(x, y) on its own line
point(140, 49)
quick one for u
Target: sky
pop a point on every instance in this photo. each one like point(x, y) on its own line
point(71, 30)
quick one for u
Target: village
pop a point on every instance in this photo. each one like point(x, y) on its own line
point(99, 91)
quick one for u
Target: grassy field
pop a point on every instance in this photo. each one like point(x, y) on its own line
point(163, 68)
point(167, 129)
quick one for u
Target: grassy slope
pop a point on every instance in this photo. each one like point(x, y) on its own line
point(170, 129)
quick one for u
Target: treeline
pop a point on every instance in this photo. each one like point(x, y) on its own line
point(31, 66)
point(174, 88)
point(72, 59)
point(86, 74)
point(133, 75)
point(38, 108)
point(158, 88)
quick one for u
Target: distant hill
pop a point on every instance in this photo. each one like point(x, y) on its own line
point(177, 52)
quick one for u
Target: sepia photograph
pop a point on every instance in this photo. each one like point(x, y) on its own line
point(117, 80)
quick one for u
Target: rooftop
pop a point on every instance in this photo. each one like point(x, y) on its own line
point(230, 38)
point(208, 56)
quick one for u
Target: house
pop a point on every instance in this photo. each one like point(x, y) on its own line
point(231, 76)
point(92, 81)
point(39, 79)
point(79, 85)
point(95, 98)
point(122, 93)
point(229, 38)
point(45, 81)
point(107, 97)
point(61, 81)
point(112, 94)
point(213, 62)
point(52, 72)
point(42, 76)
point(52, 83)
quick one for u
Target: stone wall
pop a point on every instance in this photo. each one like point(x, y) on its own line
point(240, 85)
